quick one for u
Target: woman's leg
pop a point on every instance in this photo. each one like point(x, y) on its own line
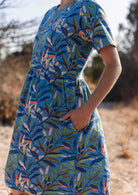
point(15, 192)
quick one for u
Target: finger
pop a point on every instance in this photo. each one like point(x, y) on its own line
point(68, 114)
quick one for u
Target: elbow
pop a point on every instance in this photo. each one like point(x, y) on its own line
point(115, 68)
point(119, 69)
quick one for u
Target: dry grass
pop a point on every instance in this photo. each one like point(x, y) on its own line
point(125, 154)
point(131, 128)
point(120, 123)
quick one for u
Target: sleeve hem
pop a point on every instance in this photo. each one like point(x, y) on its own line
point(99, 48)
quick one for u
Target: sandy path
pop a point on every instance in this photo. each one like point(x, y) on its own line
point(120, 127)
point(120, 124)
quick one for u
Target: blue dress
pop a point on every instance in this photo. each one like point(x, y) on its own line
point(48, 156)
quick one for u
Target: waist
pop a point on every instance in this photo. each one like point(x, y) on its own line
point(71, 77)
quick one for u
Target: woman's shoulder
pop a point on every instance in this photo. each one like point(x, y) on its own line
point(81, 6)
point(49, 10)
point(92, 3)
point(85, 7)
point(92, 7)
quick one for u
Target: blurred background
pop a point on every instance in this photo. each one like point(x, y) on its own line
point(19, 22)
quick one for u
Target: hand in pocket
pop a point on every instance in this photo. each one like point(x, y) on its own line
point(79, 118)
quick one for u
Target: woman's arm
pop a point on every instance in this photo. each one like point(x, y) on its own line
point(108, 78)
point(80, 116)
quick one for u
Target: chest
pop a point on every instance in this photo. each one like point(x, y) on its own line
point(60, 29)
point(59, 24)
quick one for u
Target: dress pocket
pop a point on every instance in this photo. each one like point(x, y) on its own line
point(71, 125)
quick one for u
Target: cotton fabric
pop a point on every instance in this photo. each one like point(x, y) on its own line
point(48, 156)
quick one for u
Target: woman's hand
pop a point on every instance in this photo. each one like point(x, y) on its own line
point(79, 117)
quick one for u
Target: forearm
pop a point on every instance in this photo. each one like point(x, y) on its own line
point(105, 84)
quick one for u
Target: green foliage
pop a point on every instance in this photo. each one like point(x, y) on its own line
point(131, 32)
point(126, 87)
point(132, 17)
point(94, 72)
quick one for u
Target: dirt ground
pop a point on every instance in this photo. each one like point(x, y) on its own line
point(120, 123)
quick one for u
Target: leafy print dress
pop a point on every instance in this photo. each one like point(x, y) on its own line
point(48, 156)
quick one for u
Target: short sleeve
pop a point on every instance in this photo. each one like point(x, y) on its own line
point(97, 27)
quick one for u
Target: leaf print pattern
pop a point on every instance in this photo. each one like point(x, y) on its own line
point(48, 156)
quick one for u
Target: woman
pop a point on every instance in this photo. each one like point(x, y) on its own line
point(58, 144)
